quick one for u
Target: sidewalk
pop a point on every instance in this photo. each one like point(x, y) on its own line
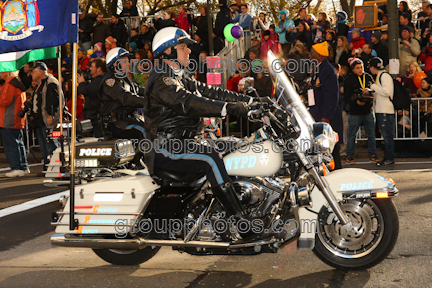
point(407, 163)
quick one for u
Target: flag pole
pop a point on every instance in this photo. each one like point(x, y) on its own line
point(60, 103)
point(60, 89)
point(72, 223)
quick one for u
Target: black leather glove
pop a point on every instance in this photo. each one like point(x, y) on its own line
point(264, 100)
point(238, 109)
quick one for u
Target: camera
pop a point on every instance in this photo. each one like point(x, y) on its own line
point(363, 97)
point(67, 74)
point(189, 9)
point(27, 108)
point(85, 73)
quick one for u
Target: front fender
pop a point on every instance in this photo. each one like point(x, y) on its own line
point(343, 182)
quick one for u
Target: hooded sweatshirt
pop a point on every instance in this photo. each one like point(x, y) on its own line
point(283, 27)
point(268, 45)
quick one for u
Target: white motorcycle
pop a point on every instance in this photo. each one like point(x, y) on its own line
point(347, 217)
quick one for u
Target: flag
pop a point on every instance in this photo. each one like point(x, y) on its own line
point(14, 61)
point(31, 24)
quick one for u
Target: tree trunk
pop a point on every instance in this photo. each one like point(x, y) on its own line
point(352, 5)
point(114, 4)
point(346, 7)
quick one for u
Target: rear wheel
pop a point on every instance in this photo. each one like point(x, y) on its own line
point(127, 257)
point(374, 234)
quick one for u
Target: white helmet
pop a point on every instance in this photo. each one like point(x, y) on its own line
point(168, 37)
point(114, 54)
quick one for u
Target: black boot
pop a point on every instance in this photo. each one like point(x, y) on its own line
point(227, 196)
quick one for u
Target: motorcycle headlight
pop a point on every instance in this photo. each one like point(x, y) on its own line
point(324, 136)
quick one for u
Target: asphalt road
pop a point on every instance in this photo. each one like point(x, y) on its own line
point(28, 260)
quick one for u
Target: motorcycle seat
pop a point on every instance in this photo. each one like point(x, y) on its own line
point(177, 176)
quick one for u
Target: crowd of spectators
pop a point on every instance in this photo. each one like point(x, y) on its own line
point(350, 50)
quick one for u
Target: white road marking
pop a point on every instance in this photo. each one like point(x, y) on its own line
point(406, 170)
point(397, 163)
point(32, 204)
point(31, 165)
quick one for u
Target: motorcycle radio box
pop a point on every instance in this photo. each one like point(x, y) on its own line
point(110, 206)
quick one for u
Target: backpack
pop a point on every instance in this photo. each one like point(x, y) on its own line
point(401, 95)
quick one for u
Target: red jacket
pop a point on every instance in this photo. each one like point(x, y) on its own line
point(358, 43)
point(83, 63)
point(182, 21)
point(79, 108)
point(426, 58)
point(232, 84)
point(267, 46)
point(12, 98)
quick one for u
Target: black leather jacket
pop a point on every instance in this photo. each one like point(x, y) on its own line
point(119, 97)
point(177, 102)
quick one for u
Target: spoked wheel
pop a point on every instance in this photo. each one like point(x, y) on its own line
point(127, 257)
point(374, 234)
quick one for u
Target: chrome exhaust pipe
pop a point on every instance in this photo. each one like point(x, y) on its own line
point(96, 242)
point(128, 244)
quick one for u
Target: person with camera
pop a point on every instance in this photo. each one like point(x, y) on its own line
point(357, 42)
point(12, 121)
point(409, 49)
point(44, 109)
point(384, 109)
point(89, 86)
point(359, 99)
point(200, 22)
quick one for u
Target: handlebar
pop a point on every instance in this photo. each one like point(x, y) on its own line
point(255, 115)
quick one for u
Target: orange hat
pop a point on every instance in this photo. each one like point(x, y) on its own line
point(321, 48)
point(110, 40)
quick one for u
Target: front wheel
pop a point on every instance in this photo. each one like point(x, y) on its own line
point(374, 234)
point(127, 257)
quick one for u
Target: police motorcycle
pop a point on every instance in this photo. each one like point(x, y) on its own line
point(347, 217)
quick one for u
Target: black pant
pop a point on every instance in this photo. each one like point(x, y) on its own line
point(128, 128)
point(187, 156)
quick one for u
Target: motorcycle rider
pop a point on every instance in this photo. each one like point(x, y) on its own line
point(176, 103)
point(120, 97)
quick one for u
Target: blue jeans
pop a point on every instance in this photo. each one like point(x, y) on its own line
point(47, 146)
point(14, 149)
point(354, 123)
point(386, 126)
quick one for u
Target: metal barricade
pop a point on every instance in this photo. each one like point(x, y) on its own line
point(231, 52)
point(411, 124)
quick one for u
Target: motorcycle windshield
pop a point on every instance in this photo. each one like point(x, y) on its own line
point(288, 98)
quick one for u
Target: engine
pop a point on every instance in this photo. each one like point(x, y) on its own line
point(259, 195)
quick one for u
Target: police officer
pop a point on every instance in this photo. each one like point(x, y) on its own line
point(120, 97)
point(176, 103)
